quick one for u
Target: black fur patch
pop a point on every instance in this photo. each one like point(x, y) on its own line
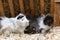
point(48, 20)
point(41, 30)
point(33, 27)
point(0, 18)
point(29, 30)
point(20, 17)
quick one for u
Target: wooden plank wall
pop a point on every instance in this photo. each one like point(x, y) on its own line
point(22, 7)
point(21, 3)
point(57, 13)
point(11, 7)
point(1, 8)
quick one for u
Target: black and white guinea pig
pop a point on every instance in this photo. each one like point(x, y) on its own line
point(16, 24)
point(45, 22)
point(41, 24)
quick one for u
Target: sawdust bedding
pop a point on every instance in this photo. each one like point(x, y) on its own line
point(53, 35)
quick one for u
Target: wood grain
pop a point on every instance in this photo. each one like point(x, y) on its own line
point(21, 4)
point(10, 2)
point(32, 7)
point(42, 6)
point(2, 9)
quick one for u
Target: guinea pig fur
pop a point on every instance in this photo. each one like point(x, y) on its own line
point(33, 27)
point(45, 22)
point(16, 24)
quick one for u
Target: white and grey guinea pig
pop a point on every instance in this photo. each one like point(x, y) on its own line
point(45, 22)
point(17, 24)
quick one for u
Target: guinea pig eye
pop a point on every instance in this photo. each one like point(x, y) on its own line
point(20, 17)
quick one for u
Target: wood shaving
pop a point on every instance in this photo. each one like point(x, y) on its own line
point(53, 35)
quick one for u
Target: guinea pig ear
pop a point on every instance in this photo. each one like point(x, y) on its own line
point(48, 14)
point(21, 15)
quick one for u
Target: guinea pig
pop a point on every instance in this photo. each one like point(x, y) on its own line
point(33, 27)
point(16, 24)
point(45, 23)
